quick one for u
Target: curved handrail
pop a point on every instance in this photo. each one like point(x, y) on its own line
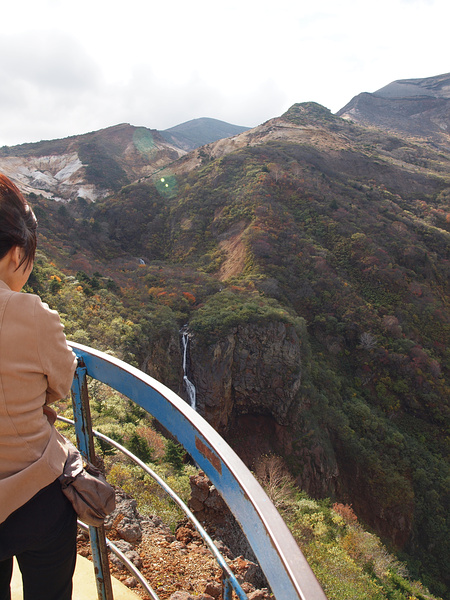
point(286, 569)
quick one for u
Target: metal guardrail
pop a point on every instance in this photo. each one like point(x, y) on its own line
point(286, 569)
point(228, 574)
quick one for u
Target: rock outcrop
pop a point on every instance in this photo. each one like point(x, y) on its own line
point(209, 508)
point(254, 370)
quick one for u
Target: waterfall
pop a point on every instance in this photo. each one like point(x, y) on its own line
point(190, 387)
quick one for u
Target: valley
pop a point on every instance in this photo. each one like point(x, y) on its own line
point(309, 259)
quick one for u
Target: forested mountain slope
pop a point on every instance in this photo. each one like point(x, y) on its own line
point(309, 259)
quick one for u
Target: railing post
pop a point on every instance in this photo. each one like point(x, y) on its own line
point(227, 590)
point(85, 443)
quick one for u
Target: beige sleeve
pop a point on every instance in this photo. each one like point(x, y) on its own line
point(57, 359)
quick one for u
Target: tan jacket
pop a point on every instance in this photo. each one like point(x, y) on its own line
point(36, 368)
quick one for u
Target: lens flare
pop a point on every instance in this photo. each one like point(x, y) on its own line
point(167, 186)
point(144, 143)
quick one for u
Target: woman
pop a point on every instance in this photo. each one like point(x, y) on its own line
point(37, 522)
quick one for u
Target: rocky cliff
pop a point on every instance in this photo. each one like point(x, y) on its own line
point(254, 370)
point(248, 388)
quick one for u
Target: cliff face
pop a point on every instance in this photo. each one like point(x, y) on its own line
point(163, 362)
point(254, 370)
point(248, 388)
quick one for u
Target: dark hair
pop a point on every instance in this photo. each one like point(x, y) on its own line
point(17, 222)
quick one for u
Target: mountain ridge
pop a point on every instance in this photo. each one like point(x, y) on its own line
point(93, 164)
point(419, 108)
point(437, 86)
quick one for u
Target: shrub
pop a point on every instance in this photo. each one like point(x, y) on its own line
point(228, 309)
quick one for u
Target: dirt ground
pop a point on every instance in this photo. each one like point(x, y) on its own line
point(174, 563)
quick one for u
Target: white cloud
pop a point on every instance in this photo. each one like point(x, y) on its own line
point(70, 68)
point(47, 59)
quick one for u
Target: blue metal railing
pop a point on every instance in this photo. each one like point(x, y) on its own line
point(279, 556)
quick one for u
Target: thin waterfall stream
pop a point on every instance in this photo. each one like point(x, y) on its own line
point(190, 387)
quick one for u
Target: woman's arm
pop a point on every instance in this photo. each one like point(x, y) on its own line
point(57, 359)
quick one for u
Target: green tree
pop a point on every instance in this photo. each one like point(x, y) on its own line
point(140, 447)
point(174, 455)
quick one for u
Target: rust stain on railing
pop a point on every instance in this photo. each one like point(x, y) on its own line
point(209, 455)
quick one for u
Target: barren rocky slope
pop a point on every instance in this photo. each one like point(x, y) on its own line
point(89, 166)
point(178, 566)
point(419, 108)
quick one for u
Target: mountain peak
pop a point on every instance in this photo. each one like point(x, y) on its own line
point(199, 132)
point(436, 87)
point(312, 114)
point(414, 107)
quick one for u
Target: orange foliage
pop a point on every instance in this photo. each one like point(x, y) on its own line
point(189, 297)
point(346, 512)
point(155, 291)
point(154, 440)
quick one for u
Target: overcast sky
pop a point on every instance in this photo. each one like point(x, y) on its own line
point(69, 67)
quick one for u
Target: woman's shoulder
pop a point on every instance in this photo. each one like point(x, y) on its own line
point(26, 305)
point(22, 299)
point(16, 300)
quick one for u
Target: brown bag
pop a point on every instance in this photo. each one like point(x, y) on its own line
point(92, 497)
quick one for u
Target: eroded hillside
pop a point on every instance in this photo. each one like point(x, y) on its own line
point(88, 166)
